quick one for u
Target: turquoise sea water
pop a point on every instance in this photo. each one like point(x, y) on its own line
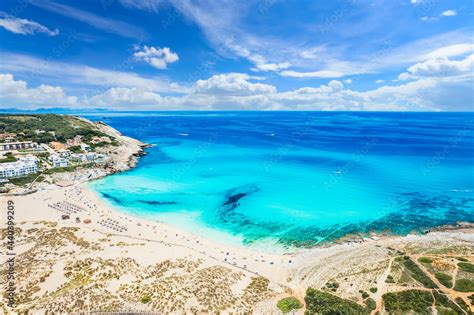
point(297, 178)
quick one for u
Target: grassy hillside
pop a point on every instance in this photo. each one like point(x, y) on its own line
point(63, 127)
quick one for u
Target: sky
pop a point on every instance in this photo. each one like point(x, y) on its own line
point(361, 55)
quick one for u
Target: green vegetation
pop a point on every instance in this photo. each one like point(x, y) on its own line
point(471, 298)
point(465, 266)
point(332, 286)
point(75, 149)
point(463, 305)
point(8, 158)
point(464, 285)
point(318, 302)
point(416, 272)
point(373, 290)
point(145, 299)
point(21, 181)
point(410, 300)
point(461, 259)
point(425, 260)
point(371, 304)
point(389, 279)
point(288, 304)
point(103, 144)
point(50, 127)
point(68, 168)
point(445, 279)
point(444, 305)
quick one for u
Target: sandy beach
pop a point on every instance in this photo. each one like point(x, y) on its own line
point(99, 234)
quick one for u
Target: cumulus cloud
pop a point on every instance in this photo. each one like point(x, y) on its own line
point(127, 97)
point(233, 84)
point(235, 91)
point(16, 92)
point(156, 56)
point(440, 67)
point(23, 26)
point(435, 84)
point(449, 13)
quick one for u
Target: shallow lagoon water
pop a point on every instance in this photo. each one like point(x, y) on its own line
point(297, 178)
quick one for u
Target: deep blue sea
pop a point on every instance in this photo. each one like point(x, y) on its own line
point(296, 178)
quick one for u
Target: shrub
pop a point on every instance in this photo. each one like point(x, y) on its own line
point(145, 299)
point(464, 285)
point(288, 304)
point(417, 301)
point(8, 158)
point(318, 302)
point(465, 266)
point(373, 290)
point(389, 279)
point(75, 149)
point(425, 260)
point(371, 304)
point(445, 279)
point(417, 273)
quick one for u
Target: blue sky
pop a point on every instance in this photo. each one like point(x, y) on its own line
point(269, 54)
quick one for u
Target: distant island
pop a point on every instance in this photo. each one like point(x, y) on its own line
point(75, 253)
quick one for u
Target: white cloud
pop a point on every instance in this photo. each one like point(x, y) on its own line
point(427, 18)
point(348, 81)
point(232, 84)
point(99, 22)
point(126, 97)
point(449, 13)
point(441, 67)
point(449, 51)
point(23, 26)
point(436, 84)
point(379, 81)
point(82, 75)
point(314, 74)
point(156, 56)
point(16, 92)
point(272, 66)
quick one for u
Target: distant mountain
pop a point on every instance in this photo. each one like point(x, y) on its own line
point(55, 110)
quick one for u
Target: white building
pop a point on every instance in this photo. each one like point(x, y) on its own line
point(59, 161)
point(85, 147)
point(24, 166)
point(14, 146)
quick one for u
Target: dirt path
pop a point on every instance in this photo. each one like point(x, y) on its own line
point(449, 291)
point(381, 287)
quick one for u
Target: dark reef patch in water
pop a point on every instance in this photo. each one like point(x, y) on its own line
point(157, 203)
point(110, 197)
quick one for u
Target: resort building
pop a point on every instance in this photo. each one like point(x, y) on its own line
point(85, 147)
point(24, 166)
point(14, 146)
point(7, 137)
point(58, 161)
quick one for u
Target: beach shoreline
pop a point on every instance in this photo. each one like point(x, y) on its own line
point(72, 224)
point(290, 272)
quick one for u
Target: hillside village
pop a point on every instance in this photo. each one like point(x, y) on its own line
point(35, 146)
